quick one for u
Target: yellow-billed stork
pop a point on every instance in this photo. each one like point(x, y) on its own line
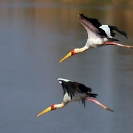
point(98, 35)
point(74, 91)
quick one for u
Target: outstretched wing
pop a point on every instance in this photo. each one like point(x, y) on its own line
point(71, 87)
point(91, 25)
point(82, 88)
point(68, 86)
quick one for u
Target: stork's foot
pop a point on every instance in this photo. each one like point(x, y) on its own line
point(109, 109)
point(131, 47)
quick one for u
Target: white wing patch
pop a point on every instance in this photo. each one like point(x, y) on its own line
point(66, 80)
point(107, 30)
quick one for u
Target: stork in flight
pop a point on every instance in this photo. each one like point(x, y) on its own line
point(98, 35)
point(74, 91)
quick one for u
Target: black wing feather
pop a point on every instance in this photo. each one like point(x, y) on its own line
point(68, 87)
point(93, 21)
point(62, 83)
point(91, 24)
point(82, 88)
point(115, 28)
point(71, 87)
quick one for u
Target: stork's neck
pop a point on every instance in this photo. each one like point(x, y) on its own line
point(79, 50)
point(61, 105)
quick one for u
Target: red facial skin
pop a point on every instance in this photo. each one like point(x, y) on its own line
point(52, 107)
point(73, 52)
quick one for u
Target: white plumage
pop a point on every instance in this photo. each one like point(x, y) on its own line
point(74, 91)
point(98, 35)
point(107, 30)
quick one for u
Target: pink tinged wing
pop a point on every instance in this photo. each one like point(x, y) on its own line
point(88, 26)
point(100, 104)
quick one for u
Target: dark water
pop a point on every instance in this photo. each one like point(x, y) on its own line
point(34, 36)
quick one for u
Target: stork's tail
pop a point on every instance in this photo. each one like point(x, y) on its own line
point(92, 95)
point(116, 29)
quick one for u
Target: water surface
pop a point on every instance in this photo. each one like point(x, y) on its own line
point(34, 37)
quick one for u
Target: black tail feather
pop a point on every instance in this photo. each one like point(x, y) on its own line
point(116, 29)
point(92, 95)
point(112, 39)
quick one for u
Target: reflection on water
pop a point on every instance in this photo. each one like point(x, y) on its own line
point(34, 37)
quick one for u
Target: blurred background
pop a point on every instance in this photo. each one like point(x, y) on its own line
point(34, 36)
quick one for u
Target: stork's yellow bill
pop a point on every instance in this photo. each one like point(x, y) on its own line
point(74, 91)
point(52, 107)
point(44, 111)
point(67, 56)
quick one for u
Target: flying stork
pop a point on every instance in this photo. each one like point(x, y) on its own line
point(98, 35)
point(74, 91)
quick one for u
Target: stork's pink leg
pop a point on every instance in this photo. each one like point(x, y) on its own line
point(97, 102)
point(117, 44)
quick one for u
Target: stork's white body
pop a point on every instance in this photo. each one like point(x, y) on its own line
point(74, 91)
point(76, 97)
point(95, 41)
point(98, 35)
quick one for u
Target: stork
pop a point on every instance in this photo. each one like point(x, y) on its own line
point(98, 35)
point(74, 91)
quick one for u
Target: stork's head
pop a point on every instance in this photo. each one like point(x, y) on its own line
point(73, 52)
point(52, 107)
